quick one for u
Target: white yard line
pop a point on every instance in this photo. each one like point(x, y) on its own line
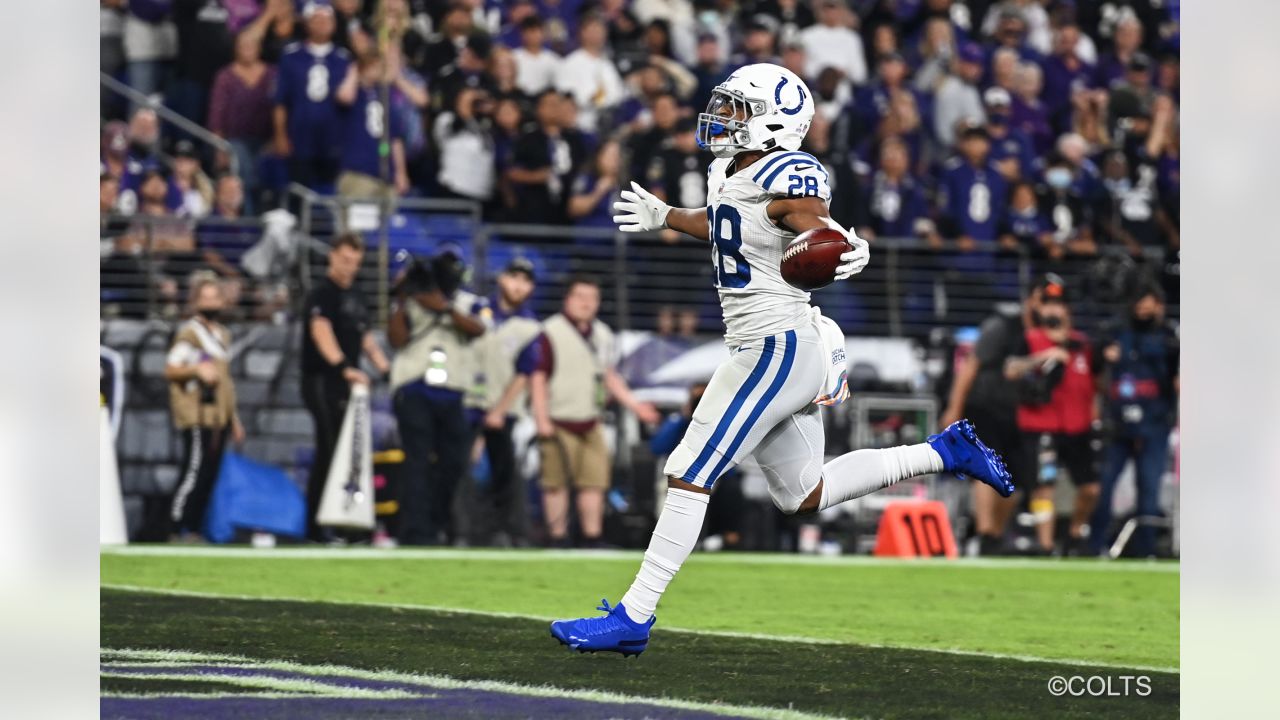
point(441, 682)
point(297, 687)
point(315, 553)
point(664, 629)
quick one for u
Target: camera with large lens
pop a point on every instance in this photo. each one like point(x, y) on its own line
point(446, 272)
point(419, 276)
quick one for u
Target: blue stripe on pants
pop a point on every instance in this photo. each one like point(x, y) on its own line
point(757, 374)
point(788, 358)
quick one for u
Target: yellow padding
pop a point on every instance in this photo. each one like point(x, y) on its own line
point(1041, 508)
point(390, 507)
point(389, 456)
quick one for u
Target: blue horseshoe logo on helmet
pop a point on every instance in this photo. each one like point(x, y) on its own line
point(777, 98)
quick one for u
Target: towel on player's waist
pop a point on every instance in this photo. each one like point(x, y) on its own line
point(835, 386)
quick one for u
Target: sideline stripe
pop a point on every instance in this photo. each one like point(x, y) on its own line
point(539, 555)
point(789, 343)
point(684, 631)
point(731, 413)
point(442, 682)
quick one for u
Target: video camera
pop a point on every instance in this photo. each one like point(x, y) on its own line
point(445, 271)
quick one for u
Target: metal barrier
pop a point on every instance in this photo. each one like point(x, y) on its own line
point(417, 225)
point(908, 290)
point(196, 130)
point(147, 263)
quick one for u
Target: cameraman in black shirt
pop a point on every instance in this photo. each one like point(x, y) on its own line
point(337, 332)
point(986, 391)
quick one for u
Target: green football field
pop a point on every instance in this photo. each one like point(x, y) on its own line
point(737, 634)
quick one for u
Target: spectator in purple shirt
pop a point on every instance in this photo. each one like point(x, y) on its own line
point(1064, 74)
point(1010, 147)
point(972, 192)
point(1029, 114)
point(240, 107)
point(1011, 32)
point(306, 122)
point(1127, 42)
point(1024, 228)
point(897, 203)
point(365, 123)
point(144, 154)
point(872, 101)
point(591, 197)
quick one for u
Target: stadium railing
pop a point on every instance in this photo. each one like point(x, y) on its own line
point(909, 290)
point(195, 130)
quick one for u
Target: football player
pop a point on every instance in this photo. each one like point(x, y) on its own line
point(786, 359)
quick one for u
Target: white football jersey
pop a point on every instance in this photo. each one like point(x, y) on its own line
point(747, 247)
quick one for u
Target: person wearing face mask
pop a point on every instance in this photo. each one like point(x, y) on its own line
point(1011, 149)
point(1141, 360)
point(985, 391)
point(1069, 214)
point(202, 400)
point(1057, 416)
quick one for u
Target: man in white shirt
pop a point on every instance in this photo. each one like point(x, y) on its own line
point(832, 43)
point(589, 75)
point(536, 66)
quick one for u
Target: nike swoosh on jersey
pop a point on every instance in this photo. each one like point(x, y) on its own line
point(801, 166)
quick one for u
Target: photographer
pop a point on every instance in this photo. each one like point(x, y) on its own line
point(202, 399)
point(466, 147)
point(432, 325)
point(337, 332)
point(1058, 409)
point(1141, 359)
point(499, 396)
point(984, 391)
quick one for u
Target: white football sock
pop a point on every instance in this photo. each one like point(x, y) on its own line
point(673, 539)
point(862, 472)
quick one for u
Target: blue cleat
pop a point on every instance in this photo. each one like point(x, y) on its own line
point(614, 632)
point(965, 455)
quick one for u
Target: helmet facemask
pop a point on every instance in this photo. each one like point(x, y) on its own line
point(723, 128)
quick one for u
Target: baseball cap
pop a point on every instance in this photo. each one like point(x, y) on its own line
point(185, 149)
point(762, 22)
point(996, 97)
point(1052, 287)
point(314, 6)
point(972, 129)
point(479, 44)
point(152, 167)
point(521, 265)
point(1140, 62)
point(970, 52)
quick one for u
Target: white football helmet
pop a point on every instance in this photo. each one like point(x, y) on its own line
point(759, 107)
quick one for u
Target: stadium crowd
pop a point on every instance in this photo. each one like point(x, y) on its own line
point(983, 129)
point(1049, 126)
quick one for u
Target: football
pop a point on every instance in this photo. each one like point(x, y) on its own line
point(810, 261)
